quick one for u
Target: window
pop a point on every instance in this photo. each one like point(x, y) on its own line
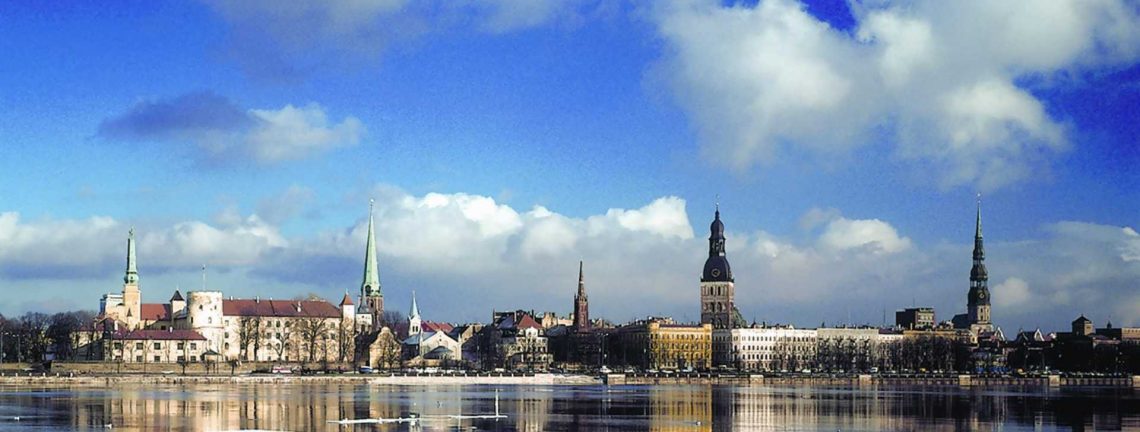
point(157, 359)
point(157, 345)
point(182, 345)
point(227, 335)
point(227, 345)
point(193, 345)
point(138, 345)
point(138, 359)
point(193, 358)
point(181, 358)
point(118, 345)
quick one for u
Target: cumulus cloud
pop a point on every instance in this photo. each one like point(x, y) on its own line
point(93, 247)
point(1013, 292)
point(222, 131)
point(939, 79)
point(872, 234)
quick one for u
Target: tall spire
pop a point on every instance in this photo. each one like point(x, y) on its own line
point(978, 224)
point(132, 276)
point(581, 304)
point(415, 311)
point(581, 282)
point(370, 286)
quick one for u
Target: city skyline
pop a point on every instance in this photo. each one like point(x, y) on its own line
point(502, 145)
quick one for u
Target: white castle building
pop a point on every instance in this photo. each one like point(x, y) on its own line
point(207, 324)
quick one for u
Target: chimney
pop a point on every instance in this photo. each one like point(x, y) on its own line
point(257, 299)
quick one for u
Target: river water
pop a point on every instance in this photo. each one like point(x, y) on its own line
point(309, 407)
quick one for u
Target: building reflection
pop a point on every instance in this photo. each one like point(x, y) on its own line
point(303, 407)
point(292, 407)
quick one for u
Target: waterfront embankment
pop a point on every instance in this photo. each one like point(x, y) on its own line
point(1051, 381)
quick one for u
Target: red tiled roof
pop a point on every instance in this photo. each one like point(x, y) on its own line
point(280, 308)
point(160, 335)
point(346, 300)
point(154, 312)
point(529, 322)
point(434, 326)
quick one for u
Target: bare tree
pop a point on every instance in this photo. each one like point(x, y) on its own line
point(249, 333)
point(346, 337)
point(388, 350)
point(312, 330)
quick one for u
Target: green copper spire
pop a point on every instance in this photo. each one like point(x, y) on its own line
point(370, 287)
point(132, 276)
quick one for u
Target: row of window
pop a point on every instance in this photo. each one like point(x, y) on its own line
point(157, 345)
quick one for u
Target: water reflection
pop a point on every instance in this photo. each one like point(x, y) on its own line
point(536, 408)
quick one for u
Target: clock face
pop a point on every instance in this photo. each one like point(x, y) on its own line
point(716, 272)
point(982, 295)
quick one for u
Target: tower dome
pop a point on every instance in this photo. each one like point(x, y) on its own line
point(716, 268)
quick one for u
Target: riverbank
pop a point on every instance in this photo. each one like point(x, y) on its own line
point(1052, 381)
point(377, 379)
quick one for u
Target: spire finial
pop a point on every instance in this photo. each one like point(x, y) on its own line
point(718, 203)
point(978, 223)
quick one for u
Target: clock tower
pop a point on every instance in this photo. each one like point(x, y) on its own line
point(978, 299)
point(717, 286)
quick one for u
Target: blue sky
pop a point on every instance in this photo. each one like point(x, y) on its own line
point(504, 140)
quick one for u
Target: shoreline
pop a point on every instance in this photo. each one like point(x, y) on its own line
point(965, 381)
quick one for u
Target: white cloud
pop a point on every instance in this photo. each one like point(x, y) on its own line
point(938, 78)
point(1012, 293)
point(664, 217)
point(295, 133)
point(223, 132)
point(68, 249)
point(870, 234)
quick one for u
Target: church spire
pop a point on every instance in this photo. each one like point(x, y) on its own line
point(132, 276)
point(978, 298)
point(414, 313)
point(979, 247)
point(370, 286)
point(581, 304)
point(581, 282)
point(978, 223)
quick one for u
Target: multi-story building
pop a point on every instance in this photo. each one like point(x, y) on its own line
point(915, 318)
point(765, 348)
point(516, 340)
point(846, 348)
point(659, 343)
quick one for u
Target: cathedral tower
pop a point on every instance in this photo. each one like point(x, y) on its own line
point(132, 297)
point(717, 285)
point(371, 298)
point(581, 304)
point(978, 299)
